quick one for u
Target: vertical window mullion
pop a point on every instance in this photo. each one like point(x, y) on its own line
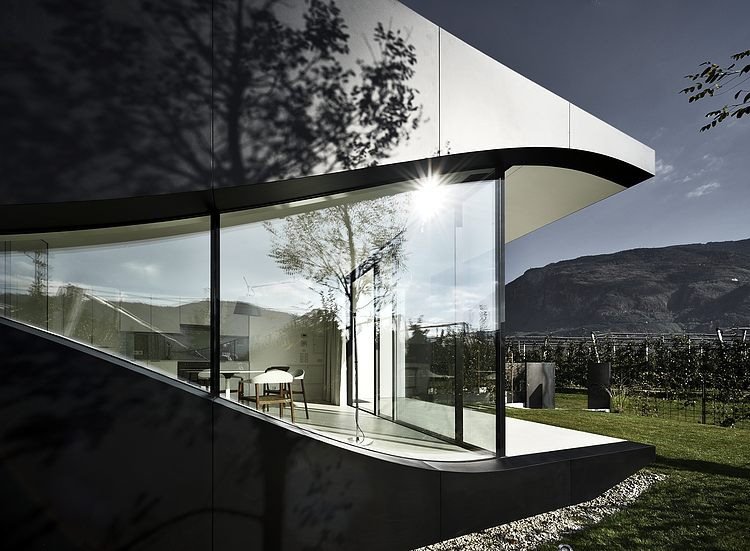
point(499, 313)
point(215, 303)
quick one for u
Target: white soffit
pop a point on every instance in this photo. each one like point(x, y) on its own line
point(538, 195)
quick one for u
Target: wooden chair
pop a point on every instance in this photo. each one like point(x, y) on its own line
point(204, 379)
point(274, 390)
point(299, 375)
point(277, 367)
point(284, 396)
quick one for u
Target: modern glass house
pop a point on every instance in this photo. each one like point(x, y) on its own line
point(196, 192)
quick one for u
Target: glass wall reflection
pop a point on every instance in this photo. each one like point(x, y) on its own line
point(381, 300)
point(385, 298)
point(550, 293)
point(140, 292)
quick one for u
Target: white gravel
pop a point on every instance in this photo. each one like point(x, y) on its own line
point(529, 533)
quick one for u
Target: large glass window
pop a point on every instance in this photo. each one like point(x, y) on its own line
point(140, 292)
point(550, 304)
point(379, 302)
point(385, 298)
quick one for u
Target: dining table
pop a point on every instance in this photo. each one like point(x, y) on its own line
point(228, 373)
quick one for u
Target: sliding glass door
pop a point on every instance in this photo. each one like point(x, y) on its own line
point(421, 334)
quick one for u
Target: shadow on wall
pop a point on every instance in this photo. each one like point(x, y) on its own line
point(127, 97)
point(84, 446)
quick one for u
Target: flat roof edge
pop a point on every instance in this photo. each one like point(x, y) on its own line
point(71, 215)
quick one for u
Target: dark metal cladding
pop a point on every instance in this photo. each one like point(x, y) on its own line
point(134, 98)
point(104, 100)
point(97, 455)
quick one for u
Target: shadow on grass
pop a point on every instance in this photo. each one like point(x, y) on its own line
point(707, 467)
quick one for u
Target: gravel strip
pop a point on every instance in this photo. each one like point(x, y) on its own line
point(528, 533)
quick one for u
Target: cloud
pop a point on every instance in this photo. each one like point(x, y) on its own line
point(140, 268)
point(705, 189)
point(711, 161)
point(658, 133)
point(662, 168)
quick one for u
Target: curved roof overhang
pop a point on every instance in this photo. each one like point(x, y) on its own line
point(38, 217)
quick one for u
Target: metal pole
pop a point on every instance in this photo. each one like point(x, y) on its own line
point(215, 304)
point(356, 373)
point(376, 338)
point(458, 387)
point(500, 314)
point(359, 437)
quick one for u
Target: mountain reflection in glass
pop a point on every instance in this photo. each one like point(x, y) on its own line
point(140, 292)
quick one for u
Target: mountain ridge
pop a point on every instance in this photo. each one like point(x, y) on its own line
point(680, 288)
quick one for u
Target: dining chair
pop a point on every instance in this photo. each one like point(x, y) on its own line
point(299, 375)
point(204, 379)
point(274, 390)
point(284, 396)
point(277, 367)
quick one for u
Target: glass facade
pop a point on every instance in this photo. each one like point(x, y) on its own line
point(542, 296)
point(384, 297)
point(383, 300)
point(140, 292)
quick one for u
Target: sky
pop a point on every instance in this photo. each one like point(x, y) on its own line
point(624, 62)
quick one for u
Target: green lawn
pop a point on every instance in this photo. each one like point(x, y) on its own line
point(705, 502)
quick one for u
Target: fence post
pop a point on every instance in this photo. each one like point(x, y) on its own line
point(703, 401)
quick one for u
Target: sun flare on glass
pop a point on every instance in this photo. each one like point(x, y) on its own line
point(430, 198)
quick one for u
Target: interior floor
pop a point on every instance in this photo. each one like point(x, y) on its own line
point(385, 436)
